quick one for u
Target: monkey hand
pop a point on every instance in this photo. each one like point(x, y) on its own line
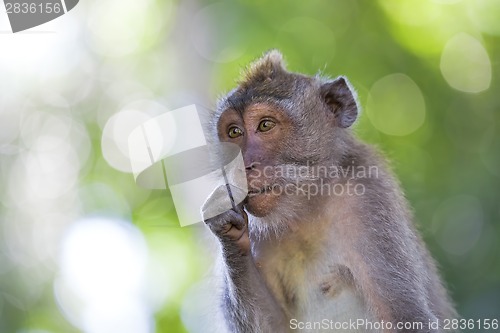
point(231, 228)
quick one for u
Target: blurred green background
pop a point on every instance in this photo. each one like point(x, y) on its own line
point(84, 249)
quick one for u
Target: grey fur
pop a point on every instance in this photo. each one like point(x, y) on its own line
point(324, 255)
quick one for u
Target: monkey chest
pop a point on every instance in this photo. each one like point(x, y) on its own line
point(315, 298)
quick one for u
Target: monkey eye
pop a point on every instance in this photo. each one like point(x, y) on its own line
point(266, 125)
point(234, 132)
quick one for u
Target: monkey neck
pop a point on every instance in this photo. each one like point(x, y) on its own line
point(300, 237)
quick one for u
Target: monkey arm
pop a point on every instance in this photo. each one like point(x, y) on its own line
point(389, 272)
point(248, 305)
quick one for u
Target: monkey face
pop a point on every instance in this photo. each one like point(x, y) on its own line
point(285, 121)
point(262, 131)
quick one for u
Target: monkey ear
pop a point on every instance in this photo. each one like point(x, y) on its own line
point(340, 99)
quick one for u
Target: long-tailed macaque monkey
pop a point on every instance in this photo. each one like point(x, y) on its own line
point(324, 240)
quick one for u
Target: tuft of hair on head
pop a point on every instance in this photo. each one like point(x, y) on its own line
point(264, 68)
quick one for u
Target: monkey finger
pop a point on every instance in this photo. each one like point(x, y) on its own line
point(237, 219)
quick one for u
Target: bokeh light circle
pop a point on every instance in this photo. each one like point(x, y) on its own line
point(102, 277)
point(114, 141)
point(115, 136)
point(395, 105)
point(465, 64)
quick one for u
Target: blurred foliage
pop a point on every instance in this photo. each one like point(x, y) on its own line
point(57, 92)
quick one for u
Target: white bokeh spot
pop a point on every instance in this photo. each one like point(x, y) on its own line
point(102, 282)
point(465, 64)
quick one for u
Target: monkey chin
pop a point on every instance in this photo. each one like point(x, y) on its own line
point(261, 204)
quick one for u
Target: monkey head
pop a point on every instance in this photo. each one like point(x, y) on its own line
point(282, 121)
